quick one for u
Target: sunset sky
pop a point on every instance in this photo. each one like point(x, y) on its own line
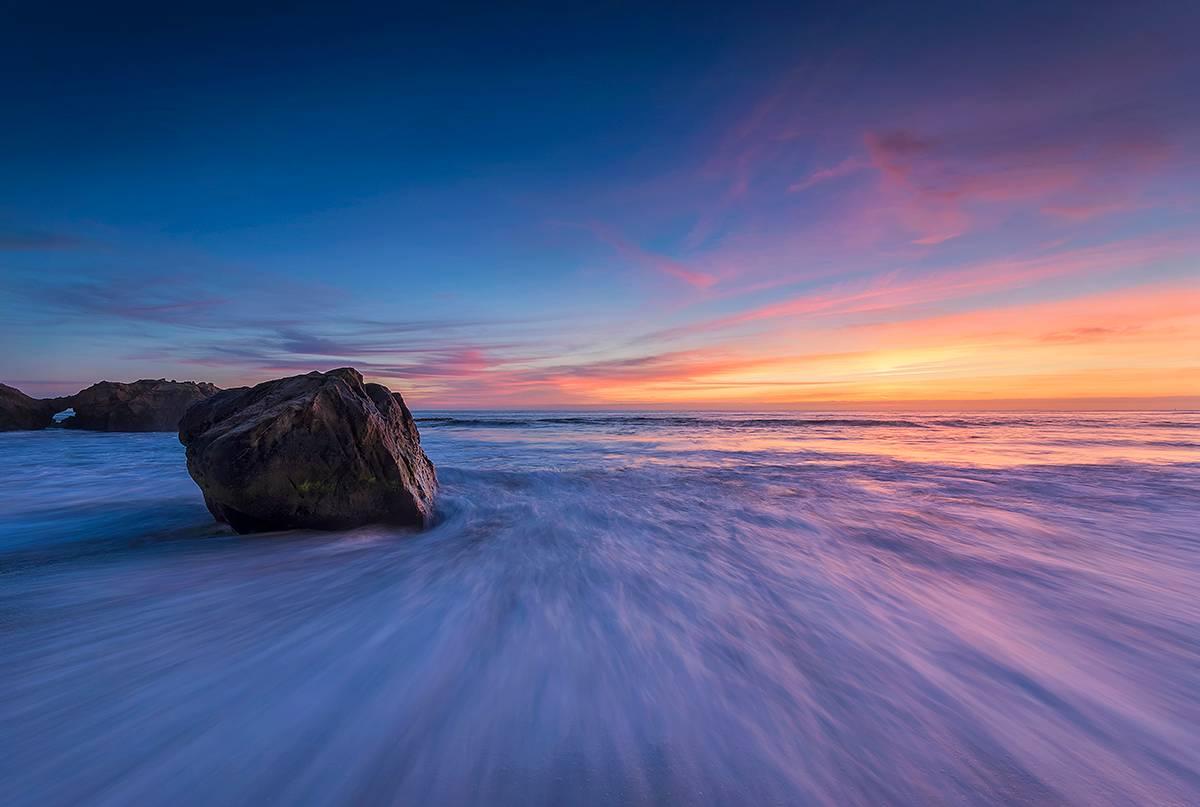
point(755, 206)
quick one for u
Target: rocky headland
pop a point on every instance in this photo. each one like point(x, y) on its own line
point(19, 412)
point(142, 406)
point(108, 406)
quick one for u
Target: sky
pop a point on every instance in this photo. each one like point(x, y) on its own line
point(549, 205)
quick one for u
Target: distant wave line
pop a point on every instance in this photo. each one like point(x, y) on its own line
point(435, 421)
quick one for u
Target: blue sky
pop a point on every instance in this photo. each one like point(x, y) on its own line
point(744, 205)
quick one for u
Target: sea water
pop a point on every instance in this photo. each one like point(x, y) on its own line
point(655, 608)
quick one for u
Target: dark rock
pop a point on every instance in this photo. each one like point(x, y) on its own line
point(20, 412)
point(322, 451)
point(142, 406)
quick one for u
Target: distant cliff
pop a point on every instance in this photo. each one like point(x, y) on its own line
point(109, 406)
point(19, 412)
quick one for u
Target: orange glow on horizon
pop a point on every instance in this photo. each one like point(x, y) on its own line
point(1137, 343)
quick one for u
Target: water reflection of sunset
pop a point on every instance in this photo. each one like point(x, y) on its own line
point(989, 439)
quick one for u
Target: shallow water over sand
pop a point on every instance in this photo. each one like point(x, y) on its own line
point(651, 609)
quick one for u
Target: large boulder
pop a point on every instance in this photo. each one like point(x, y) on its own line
point(20, 412)
point(319, 451)
point(142, 406)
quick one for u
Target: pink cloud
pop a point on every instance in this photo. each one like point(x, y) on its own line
point(651, 260)
point(938, 186)
point(848, 166)
point(896, 292)
point(1090, 319)
point(1084, 211)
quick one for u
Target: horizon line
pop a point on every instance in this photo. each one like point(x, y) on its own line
point(1112, 403)
point(1091, 404)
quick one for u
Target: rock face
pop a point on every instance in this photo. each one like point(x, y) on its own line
point(20, 412)
point(143, 406)
point(320, 451)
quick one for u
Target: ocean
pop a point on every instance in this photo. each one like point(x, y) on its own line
point(623, 609)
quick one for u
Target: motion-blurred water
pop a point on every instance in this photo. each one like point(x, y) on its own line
point(622, 609)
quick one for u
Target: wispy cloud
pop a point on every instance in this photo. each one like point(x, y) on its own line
point(650, 260)
point(896, 292)
point(850, 165)
point(937, 182)
point(1091, 333)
